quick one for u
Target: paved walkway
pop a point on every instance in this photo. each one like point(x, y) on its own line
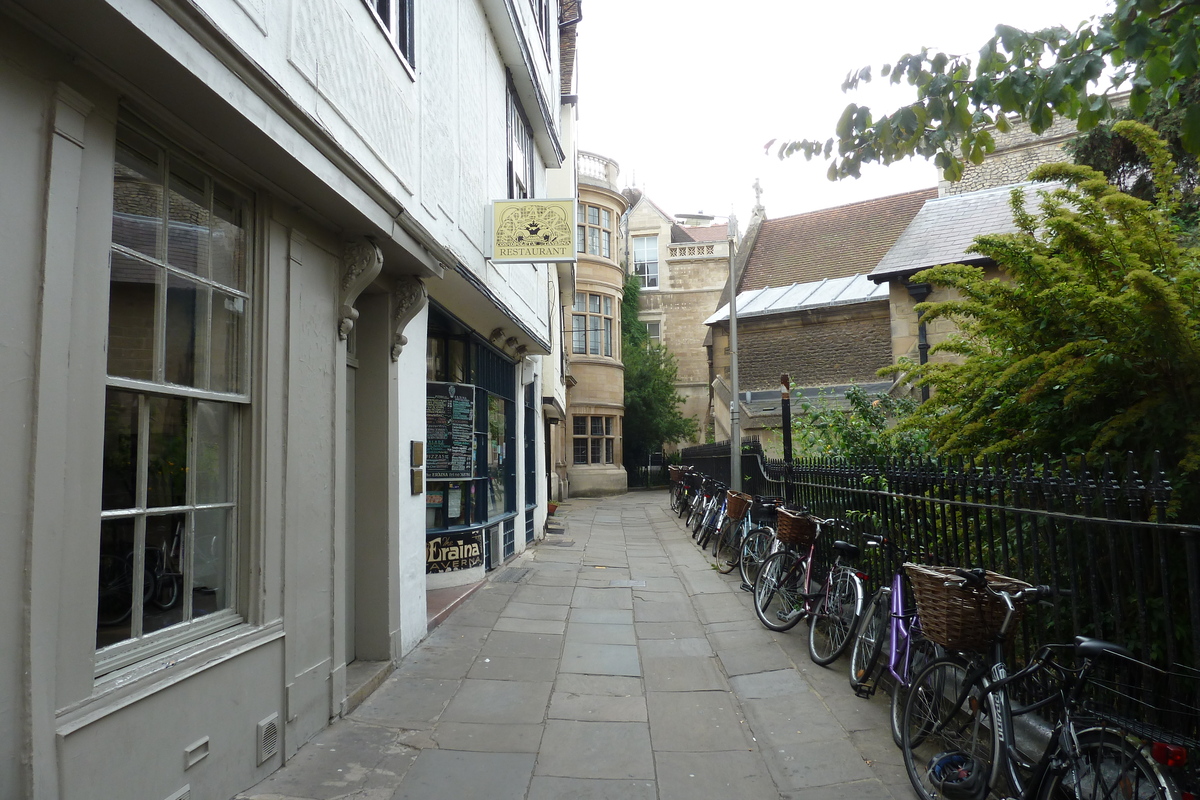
point(611, 661)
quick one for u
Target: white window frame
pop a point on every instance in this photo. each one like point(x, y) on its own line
point(645, 269)
point(395, 17)
point(141, 646)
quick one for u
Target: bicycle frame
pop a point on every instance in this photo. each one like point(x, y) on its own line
point(900, 629)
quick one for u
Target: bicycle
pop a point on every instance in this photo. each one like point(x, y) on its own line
point(714, 514)
point(890, 618)
point(959, 710)
point(727, 543)
point(701, 501)
point(783, 595)
point(759, 541)
point(679, 488)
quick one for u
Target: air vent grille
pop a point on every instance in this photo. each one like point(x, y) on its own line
point(268, 738)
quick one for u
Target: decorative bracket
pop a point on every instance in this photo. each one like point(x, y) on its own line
point(361, 264)
point(408, 298)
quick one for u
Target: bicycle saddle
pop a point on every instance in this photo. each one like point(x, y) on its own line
point(845, 548)
point(1087, 647)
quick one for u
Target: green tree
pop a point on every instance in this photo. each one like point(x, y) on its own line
point(1129, 169)
point(1090, 344)
point(865, 430)
point(1147, 46)
point(652, 415)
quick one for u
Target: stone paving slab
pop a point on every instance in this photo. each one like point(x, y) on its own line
point(575, 682)
point(549, 788)
point(713, 776)
point(692, 722)
point(611, 750)
point(499, 702)
point(454, 775)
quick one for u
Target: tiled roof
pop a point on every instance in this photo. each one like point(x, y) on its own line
point(708, 233)
point(831, 243)
point(943, 229)
point(803, 296)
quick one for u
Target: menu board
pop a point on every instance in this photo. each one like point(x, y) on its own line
point(449, 430)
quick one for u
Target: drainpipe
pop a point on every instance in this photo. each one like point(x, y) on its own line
point(735, 437)
point(785, 419)
point(919, 292)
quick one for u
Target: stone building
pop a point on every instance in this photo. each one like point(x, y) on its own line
point(593, 449)
point(806, 308)
point(246, 244)
point(683, 270)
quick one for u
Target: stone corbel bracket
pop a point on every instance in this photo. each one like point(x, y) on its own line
point(408, 298)
point(361, 264)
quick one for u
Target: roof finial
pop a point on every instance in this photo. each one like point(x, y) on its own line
point(757, 195)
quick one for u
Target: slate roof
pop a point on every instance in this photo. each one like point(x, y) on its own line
point(831, 243)
point(803, 296)
point(943, 229)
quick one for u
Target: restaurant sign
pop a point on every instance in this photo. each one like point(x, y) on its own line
point(533, 230)
point(453, 551)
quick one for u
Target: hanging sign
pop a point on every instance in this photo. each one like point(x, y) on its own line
point(533, 230)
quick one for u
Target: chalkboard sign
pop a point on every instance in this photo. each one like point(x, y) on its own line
point(449, 430)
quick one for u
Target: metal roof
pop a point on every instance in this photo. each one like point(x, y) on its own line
point(802, 297)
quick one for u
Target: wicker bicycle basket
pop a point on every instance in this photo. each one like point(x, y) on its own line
point(675, 472)
point(960, 617)
point(737, 504)
point(795, 529)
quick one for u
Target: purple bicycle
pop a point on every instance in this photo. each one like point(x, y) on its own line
point(890, 617)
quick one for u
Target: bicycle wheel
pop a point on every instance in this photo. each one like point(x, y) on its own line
point(115, 596)
point(942, 714)
point(673, 497)
point(831, 625)
point(777, 599)
point(729, 546)
point(699, 509)
point(922, 652)
point(1107, 765)
point(755, 548)
point(720, 523)
point(873, 629)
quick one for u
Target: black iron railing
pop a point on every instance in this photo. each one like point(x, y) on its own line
point(1102, 533)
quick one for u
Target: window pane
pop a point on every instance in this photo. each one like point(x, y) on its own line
point(187, 230)
point(580, 211)
point(167, 455)
point(608, 451)
point(497, 455)
point(606, 245)
point(435, 359)
point(215, 437)
point(596, 450)
point(594, 241)
point(458, 361)
point(132, 290)
point(597, 426)
point(580, 301)
point(225, 346)
point(580, 426)
point(578, 334)
point(606, 218)
point(227, 246)
point(581, 451)
point(608, 306)
point(652, 331)
point(187, 323)
point(164, 572)
point(593, 215)
point(594, 303)
point(608, 336)
point(579, 234)
point(119, 478)
point(114, 601)
point(137, 195)
point(608, 426)
point(594, 335)
point(210, 562)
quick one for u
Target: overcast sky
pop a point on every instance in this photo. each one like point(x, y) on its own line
point(683, 95)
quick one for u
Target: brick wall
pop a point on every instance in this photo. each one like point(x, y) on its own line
point(816, 349)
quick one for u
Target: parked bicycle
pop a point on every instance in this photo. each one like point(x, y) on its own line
point(890, 621)
point(784, 592)
point(958, 734)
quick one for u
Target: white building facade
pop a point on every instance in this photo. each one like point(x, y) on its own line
point(235, 231)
